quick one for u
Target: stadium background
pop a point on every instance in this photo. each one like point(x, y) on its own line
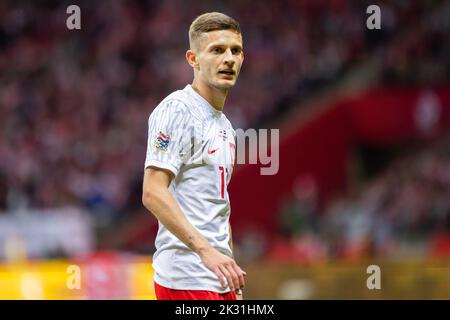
point(364, 119)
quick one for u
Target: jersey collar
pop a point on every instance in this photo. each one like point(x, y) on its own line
point(203, 103)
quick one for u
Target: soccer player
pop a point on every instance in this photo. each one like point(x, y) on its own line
point(189, 162)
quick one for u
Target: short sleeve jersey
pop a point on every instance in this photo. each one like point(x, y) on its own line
point(196, 143)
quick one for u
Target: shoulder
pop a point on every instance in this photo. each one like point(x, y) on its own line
point(170, 107)
point(175, 104)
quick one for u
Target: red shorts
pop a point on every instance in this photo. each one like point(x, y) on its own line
point(163, 293)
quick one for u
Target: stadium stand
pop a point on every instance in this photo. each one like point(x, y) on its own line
point(74, 104)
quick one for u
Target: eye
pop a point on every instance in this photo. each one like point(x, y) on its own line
point(236, 50)
point(217, 50)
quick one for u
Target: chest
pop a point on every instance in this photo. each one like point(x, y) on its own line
point(218, 145)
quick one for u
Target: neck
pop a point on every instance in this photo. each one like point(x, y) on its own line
point(215, 97)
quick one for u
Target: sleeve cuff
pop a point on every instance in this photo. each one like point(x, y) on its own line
point(162, 165)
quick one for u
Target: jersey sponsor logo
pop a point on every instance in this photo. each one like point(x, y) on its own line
point(162, 141)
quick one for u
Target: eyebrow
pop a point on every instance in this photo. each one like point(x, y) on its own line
point(212, 45)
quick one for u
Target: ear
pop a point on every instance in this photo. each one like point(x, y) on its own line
point(191, 58)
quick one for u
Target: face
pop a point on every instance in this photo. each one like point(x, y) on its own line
point(218, 58)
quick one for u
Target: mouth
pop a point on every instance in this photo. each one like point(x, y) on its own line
point(228, 72)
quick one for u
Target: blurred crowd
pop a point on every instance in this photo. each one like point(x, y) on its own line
point(74, 103)
point(402, 211)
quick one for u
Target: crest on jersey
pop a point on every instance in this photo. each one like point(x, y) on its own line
point(223, 135)
point(162, 141)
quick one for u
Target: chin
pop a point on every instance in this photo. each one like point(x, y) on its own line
point(225, 84)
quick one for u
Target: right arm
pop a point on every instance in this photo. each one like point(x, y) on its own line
point(157, 199)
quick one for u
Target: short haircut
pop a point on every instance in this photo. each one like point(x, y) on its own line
point(211, 21)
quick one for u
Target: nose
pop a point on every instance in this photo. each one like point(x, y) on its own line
point(229, 59)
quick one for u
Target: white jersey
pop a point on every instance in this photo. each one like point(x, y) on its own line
point(197, 144)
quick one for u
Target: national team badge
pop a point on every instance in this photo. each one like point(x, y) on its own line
point(223, 135)
point(162, 141)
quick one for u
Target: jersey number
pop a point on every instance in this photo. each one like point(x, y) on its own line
point(222, 181)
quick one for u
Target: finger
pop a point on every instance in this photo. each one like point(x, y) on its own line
point(220, 276)
point(241, 275)
point(227, 274)
point(234, 274)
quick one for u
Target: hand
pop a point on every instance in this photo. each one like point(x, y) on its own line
point(225, 268)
